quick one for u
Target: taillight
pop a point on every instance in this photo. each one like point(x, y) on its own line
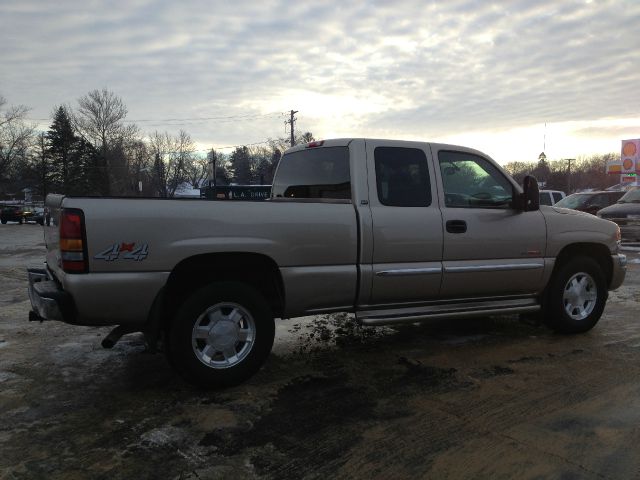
point(72, 247)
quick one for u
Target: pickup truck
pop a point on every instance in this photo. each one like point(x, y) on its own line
point(392, 231)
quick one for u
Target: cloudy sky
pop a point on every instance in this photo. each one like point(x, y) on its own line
point(484, 74)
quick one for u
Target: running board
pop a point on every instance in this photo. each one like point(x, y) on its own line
point(448, 310)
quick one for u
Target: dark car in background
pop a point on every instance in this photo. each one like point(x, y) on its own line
point(36, 215)
point(590, 202)
point(12, 213)
point(626, 213)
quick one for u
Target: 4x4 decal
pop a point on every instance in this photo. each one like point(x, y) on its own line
point(126, 251)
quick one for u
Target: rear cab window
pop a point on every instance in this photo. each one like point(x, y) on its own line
point(314, 174)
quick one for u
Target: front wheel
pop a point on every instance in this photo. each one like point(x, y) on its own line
point(577, 296)
point(221, 335)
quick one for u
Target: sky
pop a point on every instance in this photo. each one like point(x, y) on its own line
point(510, 78)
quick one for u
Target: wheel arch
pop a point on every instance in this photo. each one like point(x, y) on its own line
point(597, 251)
point(257, 270)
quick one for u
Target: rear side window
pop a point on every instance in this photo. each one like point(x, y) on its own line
point(557, 196)
point(402, 177)
point(318, 173)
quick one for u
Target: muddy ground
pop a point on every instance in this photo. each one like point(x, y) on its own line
point(485, 398)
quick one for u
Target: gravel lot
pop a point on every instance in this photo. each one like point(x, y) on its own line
point(485, 398)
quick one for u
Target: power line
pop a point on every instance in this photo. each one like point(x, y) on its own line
point(199, 119)
point(188, 119)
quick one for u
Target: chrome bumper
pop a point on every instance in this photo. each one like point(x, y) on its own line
point(619, 262)
point(48, 300)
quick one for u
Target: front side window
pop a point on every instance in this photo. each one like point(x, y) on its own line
point(318, 173)
point(471, 181)
point(402, 177)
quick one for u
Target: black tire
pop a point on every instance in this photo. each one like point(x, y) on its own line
point(221, 335)
point(4, 222)
point(21, 220)
point(576, 296)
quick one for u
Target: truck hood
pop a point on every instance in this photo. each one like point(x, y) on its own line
point(620, 210)
point(569, 211)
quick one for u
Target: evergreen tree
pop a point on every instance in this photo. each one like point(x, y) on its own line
point(73, 160)
point(241, 165)
point(60, 139)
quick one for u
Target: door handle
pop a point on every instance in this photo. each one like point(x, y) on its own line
point(456, 226)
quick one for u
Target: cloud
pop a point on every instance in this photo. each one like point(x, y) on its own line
point(401, 68)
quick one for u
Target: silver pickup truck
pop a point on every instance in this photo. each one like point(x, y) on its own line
point(392, 231)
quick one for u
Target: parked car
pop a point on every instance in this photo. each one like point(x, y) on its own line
point(590, 202)
point(37, 215)
point(550, 197)
point(12, 213)
point(626, 213)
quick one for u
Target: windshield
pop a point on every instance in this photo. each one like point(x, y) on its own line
point(632, 196)
point(575, 200)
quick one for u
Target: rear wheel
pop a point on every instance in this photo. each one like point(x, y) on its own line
point(577, 296)
point(221, 335)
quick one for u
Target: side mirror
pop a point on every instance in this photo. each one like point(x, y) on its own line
point(531, 194)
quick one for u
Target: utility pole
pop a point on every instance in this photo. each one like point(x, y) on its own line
point(291, 122)
point(213, 167)
point(569, 176)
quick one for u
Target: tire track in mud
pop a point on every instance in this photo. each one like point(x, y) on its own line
point(315, 420)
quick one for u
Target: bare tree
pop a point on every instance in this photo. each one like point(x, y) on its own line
point(100, 115)
point(15, 136)
point(15, 112)
point(41, 164)
point(173, 158)
point(100, 119)
point(283, 143)
point(198, 171)
point(140, 167)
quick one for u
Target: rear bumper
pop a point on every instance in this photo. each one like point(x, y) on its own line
point(619, 262)
point(96, 299)
point(48, 300)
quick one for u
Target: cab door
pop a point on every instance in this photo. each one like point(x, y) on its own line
point(406, 223)
point(490, 248)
